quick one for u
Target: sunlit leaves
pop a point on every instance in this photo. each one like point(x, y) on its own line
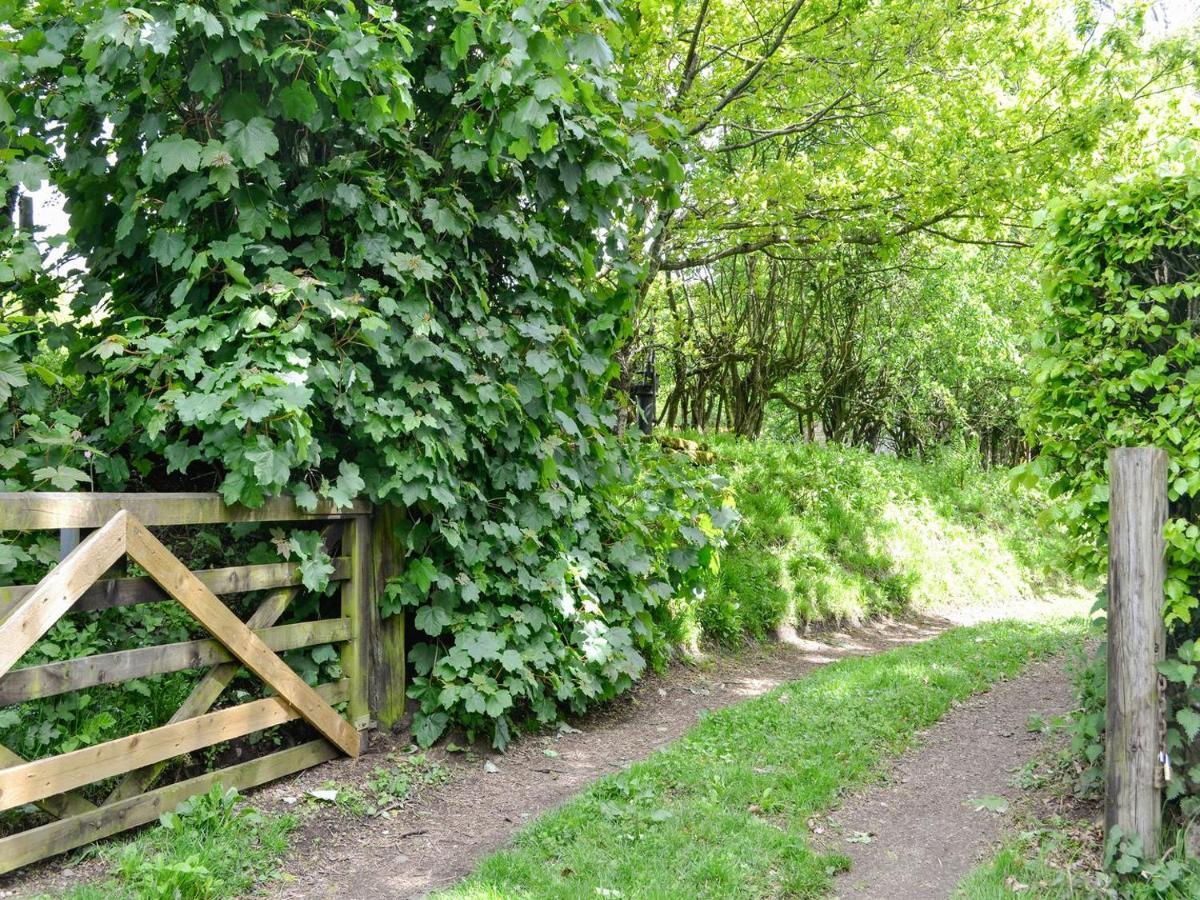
point(344, 254)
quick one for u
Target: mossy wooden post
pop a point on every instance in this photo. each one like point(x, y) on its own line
point(1136, 571)
point(358, 602)
point(387, 656)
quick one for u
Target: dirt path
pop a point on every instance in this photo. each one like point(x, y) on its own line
point(442, 836)
point(917, 836)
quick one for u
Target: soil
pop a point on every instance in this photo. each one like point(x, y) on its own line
point(945, 804)
point(441, 834)
point(924, 835)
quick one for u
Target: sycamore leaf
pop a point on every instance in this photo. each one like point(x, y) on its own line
point(298, 103)
point(428, 727)
point(12, 374)
point(422, 572)
point(603, 172)
point(252, 141)
point(480, 644)
point(62, 477)
point(593, 48)
point(431, 619)
point(174, 153)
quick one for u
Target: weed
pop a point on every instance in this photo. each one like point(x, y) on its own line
point(389, 787)
point(211, 846)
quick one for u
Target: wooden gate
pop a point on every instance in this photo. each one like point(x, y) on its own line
point(77, 583)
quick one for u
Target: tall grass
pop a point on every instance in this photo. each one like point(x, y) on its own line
point(835, 535)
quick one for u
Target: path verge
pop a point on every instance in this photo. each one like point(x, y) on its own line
point(728, 810)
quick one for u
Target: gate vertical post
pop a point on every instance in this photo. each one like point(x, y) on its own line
point(358, 598)
point(387, 656)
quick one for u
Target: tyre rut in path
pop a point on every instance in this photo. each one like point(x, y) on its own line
point(916, 836)
point(442, 836)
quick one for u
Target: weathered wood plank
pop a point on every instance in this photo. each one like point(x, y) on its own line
point(357, 598)
point(58, 837)
point(36, 780)
point(222, 624)
point(1136, 641)
point(112, 592)
point(60, 805)
point(49, 509)
point(387, 643)
point(51, 679)
point(57, 592)
point(210, 687)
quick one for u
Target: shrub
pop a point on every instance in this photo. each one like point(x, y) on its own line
point(362, 249)
point(1118, 364)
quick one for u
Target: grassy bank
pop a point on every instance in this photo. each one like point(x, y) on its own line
point(834, 534)
point(722, 812)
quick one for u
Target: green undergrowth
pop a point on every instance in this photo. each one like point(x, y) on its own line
point(212, 846)
point(1058, 860)
point(722, 812)
point(836, 534)
point(1067, 858)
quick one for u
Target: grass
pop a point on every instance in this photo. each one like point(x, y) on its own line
point(836, 534)
point(1063, 858)
point(212, 846)
point(723, 811)
point(1011, 874)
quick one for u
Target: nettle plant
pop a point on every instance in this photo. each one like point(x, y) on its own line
point(366, 249)
point(1118, 364)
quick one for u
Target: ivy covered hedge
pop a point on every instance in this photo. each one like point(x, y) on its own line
point(1118, 364)
point(360, 249)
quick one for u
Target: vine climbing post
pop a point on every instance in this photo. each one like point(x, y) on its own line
point(1134, 769)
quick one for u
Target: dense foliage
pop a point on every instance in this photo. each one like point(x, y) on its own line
point(911, 356)
point(359, 249)
point(1117, 364)
point(840, 156)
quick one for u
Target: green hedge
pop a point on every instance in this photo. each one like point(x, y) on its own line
point(1117, 363)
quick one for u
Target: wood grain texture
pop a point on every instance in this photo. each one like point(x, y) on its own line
point(387, 645)
point(180, 583)
point(36, 780)
point(51, 679)
point(60, 805)
point(358, 597)
point(113, 592)
point(57, 592)
point(58, 837)
point(1136, 641)
point(35, 510)
point(214, 682)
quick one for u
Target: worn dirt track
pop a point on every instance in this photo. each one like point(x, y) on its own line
point(440, 839)
point(916, 836)
point(443, 832)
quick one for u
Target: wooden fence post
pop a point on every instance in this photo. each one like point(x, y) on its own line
point(358, 599)
point(387, 651)
point(1136, 571)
